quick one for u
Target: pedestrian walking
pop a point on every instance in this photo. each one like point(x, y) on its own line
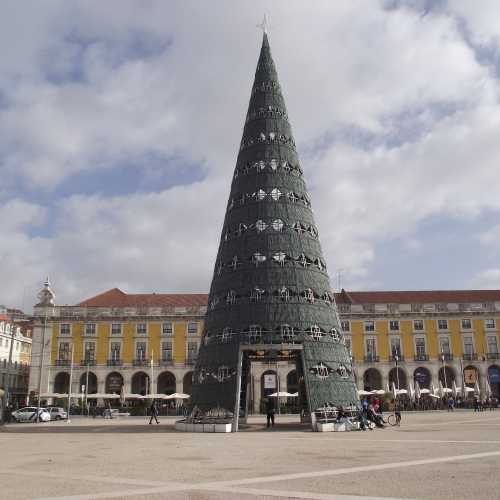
point(270, 412)
point(154, 412)
point(451, 404)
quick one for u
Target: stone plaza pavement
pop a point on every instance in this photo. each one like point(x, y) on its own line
point(434, 455)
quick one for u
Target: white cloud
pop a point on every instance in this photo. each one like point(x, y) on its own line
point(173, 80)
point(488, 279)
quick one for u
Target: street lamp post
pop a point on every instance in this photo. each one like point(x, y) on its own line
point(444, 372)
point(42, 351)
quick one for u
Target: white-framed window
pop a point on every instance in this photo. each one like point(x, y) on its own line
point(418, 325)
point(115, 350)
point(90, 328)
point(466, 324)
point(369, 326)
point(192, 328)
point(348, 344)
point(346, 326)
point(492, 344)
point(166, 351)
point(489, 324)
point(371, 347)
point(142, 328)
point(394, 325)
point(395, 347)
point(89, 351)
point(141, 350)
point(64, 351)
point(444, 345)
point(65, 329)
point(192, 351)
point(468, 345)
point(116, 328)
point(167, 328)
point(442, 324)
point(420, 350)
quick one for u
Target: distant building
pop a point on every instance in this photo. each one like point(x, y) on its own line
point(15, 344)
point(436, 336)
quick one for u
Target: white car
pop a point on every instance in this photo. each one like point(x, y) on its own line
point(57, 413)
point(28, 414)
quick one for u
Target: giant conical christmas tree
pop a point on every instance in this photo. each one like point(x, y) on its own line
point(270, 285)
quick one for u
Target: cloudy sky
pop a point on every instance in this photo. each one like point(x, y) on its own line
point(120, 123)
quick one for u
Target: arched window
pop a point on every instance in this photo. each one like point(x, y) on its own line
point(242, 228)
point(273, 164)
point(292, 197)
point(335, 335)
point(327, 298)
point(260, 166)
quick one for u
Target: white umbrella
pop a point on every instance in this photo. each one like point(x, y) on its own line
point(281, 395)
point(425, 391)
point(378, 392)
point(103, 396)
point(178, 395)
point(53, 395)
point(361, 392)
point(401, 391)
point(434, 396)
point(469, 389)
point(156, 396)
point(131, 396)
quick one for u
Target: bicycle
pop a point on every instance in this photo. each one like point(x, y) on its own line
point(393, 419)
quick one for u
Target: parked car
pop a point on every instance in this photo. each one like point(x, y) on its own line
point(57, 413)
point(29, 413)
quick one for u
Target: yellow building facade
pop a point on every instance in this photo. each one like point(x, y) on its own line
point(148, 343)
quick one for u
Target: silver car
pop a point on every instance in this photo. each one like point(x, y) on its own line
point(57, 413)
point(28, 414)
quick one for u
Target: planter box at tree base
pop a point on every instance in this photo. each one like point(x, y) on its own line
point(202, 427)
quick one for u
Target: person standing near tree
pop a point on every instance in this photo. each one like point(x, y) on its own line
point(270, 412)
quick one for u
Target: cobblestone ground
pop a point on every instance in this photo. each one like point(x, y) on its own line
point(434, 455)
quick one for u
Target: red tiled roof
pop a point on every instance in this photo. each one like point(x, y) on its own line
point(116, 298)
point(417, 296)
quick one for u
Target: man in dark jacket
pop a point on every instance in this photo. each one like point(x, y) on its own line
point(154, 412)
point(270, 412)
